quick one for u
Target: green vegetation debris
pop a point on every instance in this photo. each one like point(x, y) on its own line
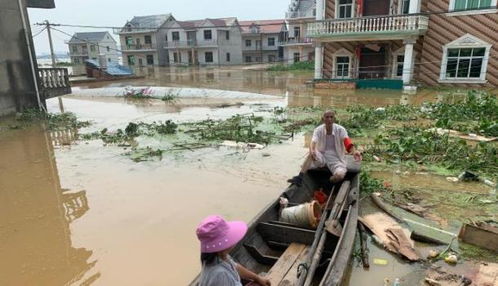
point(306, 65)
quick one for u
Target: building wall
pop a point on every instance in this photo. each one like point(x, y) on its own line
point(233, 46)
point(17, 88)
point(303, 50)
point(158, 44)
point(444, 29)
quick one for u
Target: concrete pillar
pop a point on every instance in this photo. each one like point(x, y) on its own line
point(414, 7)
point(408, 63)
point(320, 10)
point(318, 61)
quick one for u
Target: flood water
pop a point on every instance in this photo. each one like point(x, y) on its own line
point(78, 213)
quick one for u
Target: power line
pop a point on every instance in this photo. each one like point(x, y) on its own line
point(39, 32)
point(255, 22)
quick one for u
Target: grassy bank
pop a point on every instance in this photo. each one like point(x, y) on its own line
point(299, 66)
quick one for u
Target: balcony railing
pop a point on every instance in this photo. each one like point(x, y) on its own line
point(135, 47)
point(299, 40)
point(190, 44)
point(300, 14)
point(367, 26)
point(54, 81)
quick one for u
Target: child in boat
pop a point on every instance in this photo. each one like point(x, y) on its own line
point(218, 237)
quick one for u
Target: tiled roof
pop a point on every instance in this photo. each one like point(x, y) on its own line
point(89, 37)
point(217, 22)
point(265, 26)
point(149, 22)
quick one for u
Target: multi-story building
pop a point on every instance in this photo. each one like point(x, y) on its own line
point(298, 46)
point(91, 45)
point(447, 42)
point(203, 42)
point(262, 40)
point(142, 40)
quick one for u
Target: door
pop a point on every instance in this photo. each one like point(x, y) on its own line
point(190, 58)
point(191, 38)
point(372, 63)
point(375, 7)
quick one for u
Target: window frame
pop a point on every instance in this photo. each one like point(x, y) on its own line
point(248, 59)
point(271, 44)
point(250, 43)
point(227, 35)
point(294, 57)
point(342, 53)
point(338, 6)
point(149, 63)
point(206, 57)
point(207, 32)
point(474, 11)
point(173, 38)
point(228, 57)
point(465, 42)
point(148, 39)
point(395, 63)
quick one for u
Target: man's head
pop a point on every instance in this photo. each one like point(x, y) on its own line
point(328, 117)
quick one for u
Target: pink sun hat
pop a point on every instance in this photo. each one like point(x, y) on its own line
point(217, 234)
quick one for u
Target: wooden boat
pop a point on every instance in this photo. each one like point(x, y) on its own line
point(283, 250)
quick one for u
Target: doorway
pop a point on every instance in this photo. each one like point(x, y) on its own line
point(375, 7)
point(372, 62)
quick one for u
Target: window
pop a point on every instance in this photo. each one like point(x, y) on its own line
point(248, 43)
point(175, 57)
point(344, 9)
point(465, 60)
point(342, 66)
point(76, 60)
point(464, 63)
point(166, 37)
point(109, 59)
point(227, 35)
point(258, 44)
point(405, 7)
point(207, 35)
point(228, 57)
point(297, 57)
point(92, 48)
point(297, 32)
point(131, 60)
point(400, 60)
point(175, 36)
point(248, 59)
point(150, 59)
point(129, 41)
point(271, 58)
point(148, 39)
point(208, 57)
point(459, 5)
point(271, 42)
point(108, 48)
point(74, 49)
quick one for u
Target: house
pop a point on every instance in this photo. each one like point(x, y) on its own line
point(142, 40)
point(262, 40)
point(203, 42)
point(298, 47)
point(406, 42)
point(22, 83)
point(91, 46)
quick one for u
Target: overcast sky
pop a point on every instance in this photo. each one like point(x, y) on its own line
point(117, 12)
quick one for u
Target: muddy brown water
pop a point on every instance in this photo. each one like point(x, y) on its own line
point(76, 213)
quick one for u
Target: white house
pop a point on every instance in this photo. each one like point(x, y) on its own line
point(91, 45)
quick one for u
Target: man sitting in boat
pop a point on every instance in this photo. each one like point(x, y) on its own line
point(328, 148)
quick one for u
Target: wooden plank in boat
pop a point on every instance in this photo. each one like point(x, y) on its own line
point(290, 278)
point(285, 263)
point(285, 234)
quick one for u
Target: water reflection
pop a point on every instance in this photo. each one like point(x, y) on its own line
point(35, 214)
point(294, 84)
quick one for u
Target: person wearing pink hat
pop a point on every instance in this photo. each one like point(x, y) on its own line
point(218, 237)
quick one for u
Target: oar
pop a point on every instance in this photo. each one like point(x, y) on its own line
point(334, 227)
point(320, 236)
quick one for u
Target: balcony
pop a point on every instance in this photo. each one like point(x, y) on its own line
point(300, 14)
point(193, 43)
point(54, 82)
point(366, 28)
point(139, 47)
point(297, 41)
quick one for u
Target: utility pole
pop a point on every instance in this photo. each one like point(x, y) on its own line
point(52, 54)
